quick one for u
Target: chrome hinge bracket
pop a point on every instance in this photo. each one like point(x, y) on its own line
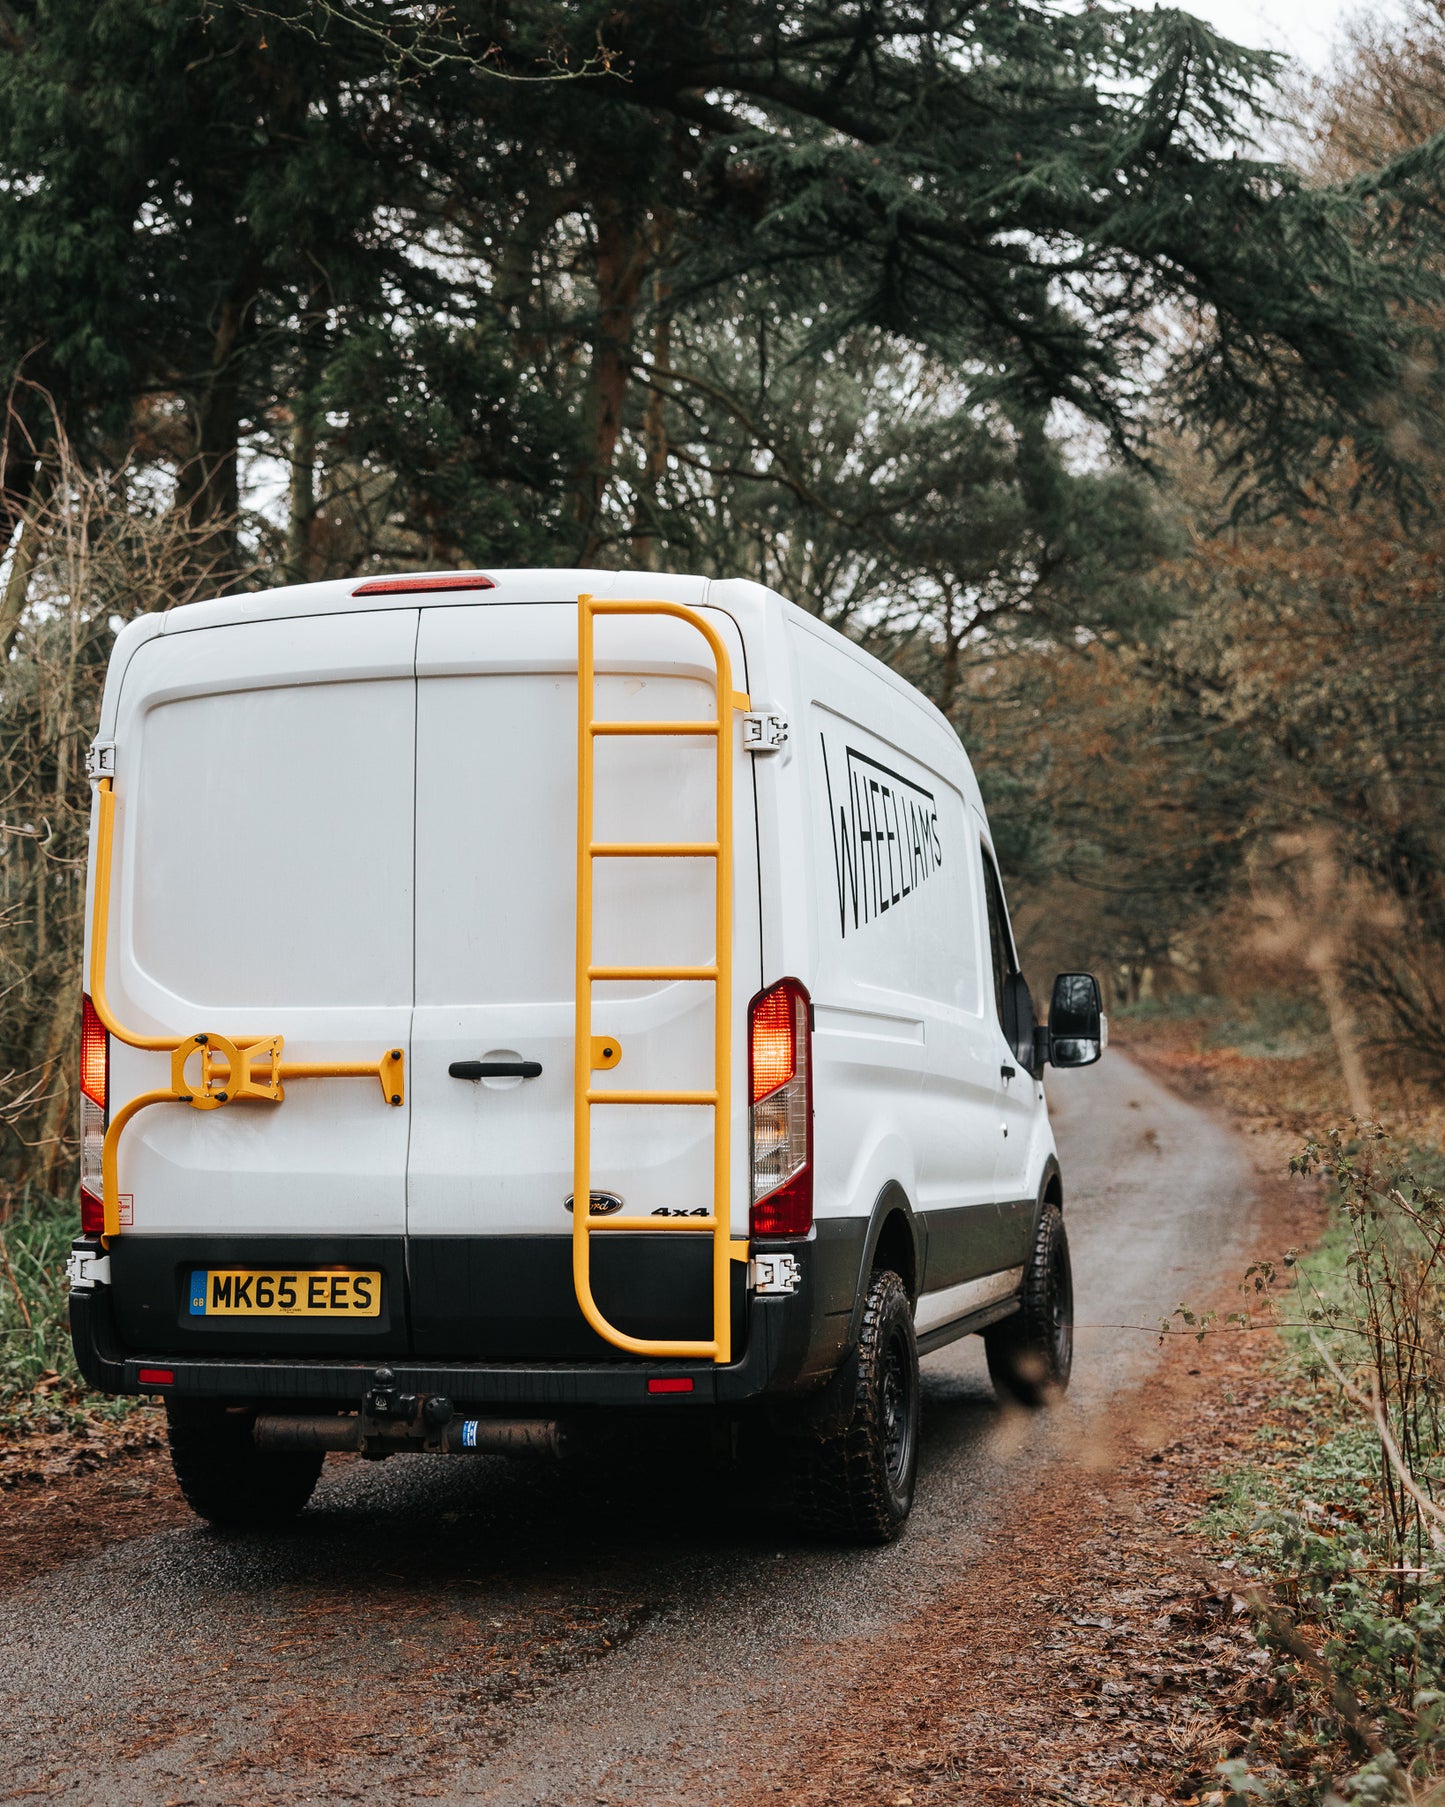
point(85, 1271)
point(764, 731)
point(100, 759)
point(772, 1274)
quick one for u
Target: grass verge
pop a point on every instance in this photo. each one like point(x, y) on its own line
point(1332, 1522)
point(39, 1382)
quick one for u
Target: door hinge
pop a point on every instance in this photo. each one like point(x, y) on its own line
point(85, 1270)
point(774, 1274)
point(100, 759)
point(764, 731)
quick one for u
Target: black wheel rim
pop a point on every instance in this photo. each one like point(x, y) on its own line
point(1061, 1311)
point(896, 1399)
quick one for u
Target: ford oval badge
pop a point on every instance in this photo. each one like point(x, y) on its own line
point(603, 1203)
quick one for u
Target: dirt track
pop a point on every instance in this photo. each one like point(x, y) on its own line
point(482, 1631)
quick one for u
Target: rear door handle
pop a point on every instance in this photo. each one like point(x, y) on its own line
point(495, 1069)
point(1004, 1072)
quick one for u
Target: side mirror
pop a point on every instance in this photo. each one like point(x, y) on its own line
point(1078, 1030)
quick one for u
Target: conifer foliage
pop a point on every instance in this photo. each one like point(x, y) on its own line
point(437, 258)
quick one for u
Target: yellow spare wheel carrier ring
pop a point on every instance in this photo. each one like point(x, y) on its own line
point(233, 1069)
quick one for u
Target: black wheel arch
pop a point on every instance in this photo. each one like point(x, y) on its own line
point(897, 1240)
point(1051, 1192)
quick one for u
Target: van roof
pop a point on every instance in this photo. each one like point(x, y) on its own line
point(338, 596)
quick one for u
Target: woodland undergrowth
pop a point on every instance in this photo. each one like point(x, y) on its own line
point(1336, 1533)
point(39, 1382)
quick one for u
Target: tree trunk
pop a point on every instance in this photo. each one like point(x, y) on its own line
point(654, 413)
point(209, 491)
point(60, 1055)
point(654, 441)
point(623, 253)
point(299, 562)
point(22, 565)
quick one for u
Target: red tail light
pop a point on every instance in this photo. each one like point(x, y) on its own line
point(780, 1088)
point(94, 1111)
point(94, 1055)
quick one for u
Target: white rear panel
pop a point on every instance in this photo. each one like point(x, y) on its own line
point(263, 885)
point(496, 899)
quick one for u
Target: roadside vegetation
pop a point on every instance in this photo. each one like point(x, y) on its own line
point(1331, 1529)
point(38, 1377)
point(1336, 1530)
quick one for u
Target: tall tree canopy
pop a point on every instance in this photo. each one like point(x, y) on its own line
point(467, 268)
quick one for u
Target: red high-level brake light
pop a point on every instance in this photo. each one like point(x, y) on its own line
point(406, 586)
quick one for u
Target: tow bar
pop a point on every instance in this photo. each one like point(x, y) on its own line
point(391, 1421)
point(372, 1437)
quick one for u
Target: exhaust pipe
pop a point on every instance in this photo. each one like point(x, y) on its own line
point(368, 1436)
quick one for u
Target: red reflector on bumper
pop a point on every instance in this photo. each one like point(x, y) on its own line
point(156, 1377)
point(679, 1383)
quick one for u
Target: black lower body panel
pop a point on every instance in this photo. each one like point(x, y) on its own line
point(510, 1298)
point(467, 1298)
point(492, 1324)
point(772, 1357)
point(973, 1240)
point(151, 1283)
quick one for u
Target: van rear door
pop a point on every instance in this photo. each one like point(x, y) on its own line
point(491, 1157)
point(262, 886)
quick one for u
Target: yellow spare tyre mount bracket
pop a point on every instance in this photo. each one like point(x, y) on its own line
point(232, 1070)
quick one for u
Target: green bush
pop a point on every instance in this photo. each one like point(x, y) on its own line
point(37, 1368)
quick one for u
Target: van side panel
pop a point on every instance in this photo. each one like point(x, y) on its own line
point(906, 1071)
point(868, 1024)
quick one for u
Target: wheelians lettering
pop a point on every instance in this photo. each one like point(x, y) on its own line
point(885, 835)
point(582, 932)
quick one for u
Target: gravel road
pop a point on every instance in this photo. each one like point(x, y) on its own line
point(479, 1631)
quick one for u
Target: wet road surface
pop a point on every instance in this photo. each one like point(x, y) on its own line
point(646, 1630)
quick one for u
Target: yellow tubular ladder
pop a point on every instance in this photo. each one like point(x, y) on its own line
point(592, 1053)
point(228, 1064)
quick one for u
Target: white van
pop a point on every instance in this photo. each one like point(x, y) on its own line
point(403, 937)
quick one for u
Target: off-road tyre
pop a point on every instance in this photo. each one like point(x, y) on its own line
point(857, 1486)
point(1030, 1354)
point(224, 1477)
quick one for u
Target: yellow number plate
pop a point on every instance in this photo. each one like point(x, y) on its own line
point(249, 1292)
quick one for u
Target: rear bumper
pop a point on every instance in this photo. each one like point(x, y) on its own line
point(781, 1354)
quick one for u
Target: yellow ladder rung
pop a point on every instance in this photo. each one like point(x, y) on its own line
point(708, 1224)
point(652, 972)
point(652, 1097)
point(659, 850)
point(655, 727)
